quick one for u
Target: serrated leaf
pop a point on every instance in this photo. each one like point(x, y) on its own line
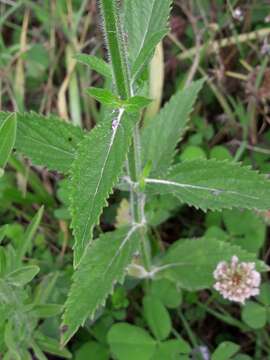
point(145, 29)
point(100, 159)
point(146, 53)
point(160, 137)
point(215, 185)
point(47, 141)
point(96, 64)
point(191, 262)
point(8, 127)
point(101, 268)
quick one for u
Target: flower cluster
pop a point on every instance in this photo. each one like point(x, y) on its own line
point(237, 281)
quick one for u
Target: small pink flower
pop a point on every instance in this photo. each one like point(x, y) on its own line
point(237, 281)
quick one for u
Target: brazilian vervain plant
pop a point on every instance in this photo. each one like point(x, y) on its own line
point(120, 152)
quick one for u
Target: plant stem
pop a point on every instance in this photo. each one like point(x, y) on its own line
point(116, 47)
point(119, 61)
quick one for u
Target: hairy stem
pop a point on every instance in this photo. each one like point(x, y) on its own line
point(116, 46)
point(119, 61)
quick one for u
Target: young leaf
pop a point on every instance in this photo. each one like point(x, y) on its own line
point(145, 29)
point(105, 97)
point(96, 64)
point(102, 267)
point(160, 137)
point(99, 162)
point(192, 262)
point(131, 342)
point(8, 127)
point(211, 184)
point(47, 141)
point(136, 103)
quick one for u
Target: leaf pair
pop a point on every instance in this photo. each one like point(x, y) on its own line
point(106, 97)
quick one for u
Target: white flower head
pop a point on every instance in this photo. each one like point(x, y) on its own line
point(238, 14)
point(237, 281)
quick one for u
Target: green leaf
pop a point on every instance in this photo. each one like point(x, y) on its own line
point(8, 127)
point(160, 137)
point(23, 275)
point(246, 229)
point(264, 296)
point(105, 97)
point(192, 152)
point(51, 346)
point(225, 351)
point(146, 53)
point(96, 64)
point(166, 292)
point(242, 357)
point(136, 103)
point(191, 262)
point(130, 342)
point(157, 317)
point(38, 352)
point(47, 141)
point(95, 171)
point(30, 233)
point(171, 349)
point(47, 310)
point(92, 350)
point(254, 315)
point(211, 184)
point(102, 267)
point(145, 28)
